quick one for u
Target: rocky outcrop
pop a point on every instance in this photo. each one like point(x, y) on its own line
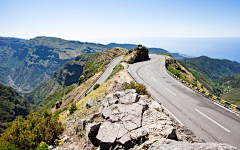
point(138, 54)
point(128, 119)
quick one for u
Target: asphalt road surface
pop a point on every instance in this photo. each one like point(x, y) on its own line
point(207, 120)
point(108, 71)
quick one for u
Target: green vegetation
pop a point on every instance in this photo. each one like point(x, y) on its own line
point(72, 109)
point(175, 72)
point(36, 60)
point(96, 86)
point(213, 68)
point(66, 75)
point(115, 70)
point(140, 89)
point(100, 62)
point(209, 72)
point(11, 105)
point(51, 100)
point(30, 132)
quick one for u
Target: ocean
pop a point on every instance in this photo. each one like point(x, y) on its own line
point(220, 47)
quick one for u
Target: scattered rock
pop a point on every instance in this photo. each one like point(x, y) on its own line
point(92, 131)
point(91, 102)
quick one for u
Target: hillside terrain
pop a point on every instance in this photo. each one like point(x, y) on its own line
point(11, 105)
point(220, 77)
point(66, 75)
point(35, 61)
point(61, 85)
point(25, 64)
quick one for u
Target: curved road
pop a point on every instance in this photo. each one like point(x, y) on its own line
point(207, 120)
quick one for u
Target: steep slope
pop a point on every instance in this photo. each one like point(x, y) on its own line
point(66, 75)
point(35, 61)
point(225, 87)
point(11, 105)
point(91, 71)
point(213, 68)
point(230, 88)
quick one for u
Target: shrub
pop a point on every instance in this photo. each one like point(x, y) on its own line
point(96, 86)
point(72, 109)
point(140, 89)
point(28, 133)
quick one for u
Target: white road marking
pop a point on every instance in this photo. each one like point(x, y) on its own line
point(147, 73)
point(212, 120)
point(170, 91)
point(154, 79)
point(172, 115)
point(177, 81)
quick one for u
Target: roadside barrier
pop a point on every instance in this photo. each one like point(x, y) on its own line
point(206, 94)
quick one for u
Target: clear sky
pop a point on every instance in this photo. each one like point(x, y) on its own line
point(86, 20)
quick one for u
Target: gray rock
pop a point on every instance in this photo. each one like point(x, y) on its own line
point(91, 102)
point(129, 98)
point(144, 104)
point(125, 139)
point(122, 131)
point(78, 148)
point(107, 134)
point(92, 131)
point(120, 94)
point(112, 100)
point(105, 103)
point(156, 105)
point(167, 144)
point(138, 133)
point(114, 112)
point(50, 147)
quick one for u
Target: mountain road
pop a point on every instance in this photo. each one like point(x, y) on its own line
point(208, 120)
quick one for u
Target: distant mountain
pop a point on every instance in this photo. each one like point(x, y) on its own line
point(35, 61)
point(213, 68)
point(11, 105)
point(151, 50)
point(25, 64)
point(66, 75)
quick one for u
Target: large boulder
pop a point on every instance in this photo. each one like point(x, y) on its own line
point(129, 98)
point(130, 115)
point(107, 134)
point(138, 54)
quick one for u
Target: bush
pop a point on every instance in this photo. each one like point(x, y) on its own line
point(96, 86)
point(140, 89)
point(72, 109)
point(28, 133)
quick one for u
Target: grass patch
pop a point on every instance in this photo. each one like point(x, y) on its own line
point(115, 70)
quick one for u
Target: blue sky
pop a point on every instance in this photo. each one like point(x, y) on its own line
point(91, 20)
